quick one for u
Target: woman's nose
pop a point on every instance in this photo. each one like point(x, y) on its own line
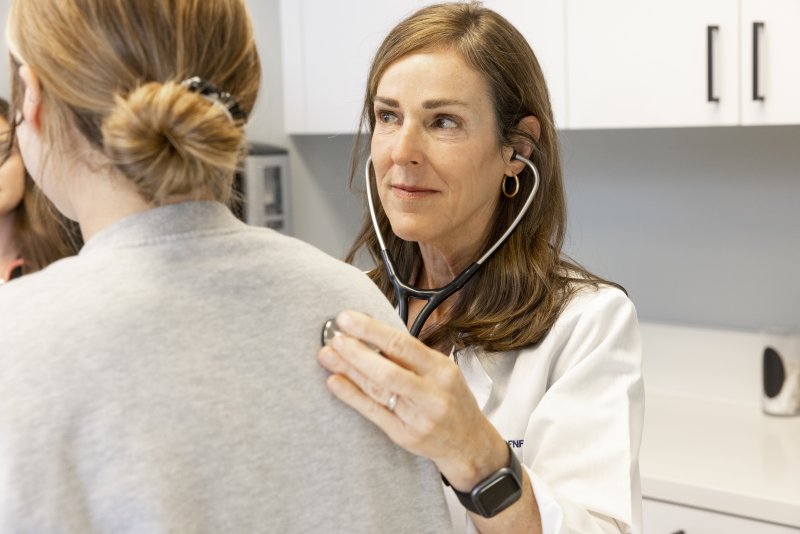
point(407, 147)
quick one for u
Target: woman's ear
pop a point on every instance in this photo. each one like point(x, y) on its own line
point(32, 98)
point(523, 147)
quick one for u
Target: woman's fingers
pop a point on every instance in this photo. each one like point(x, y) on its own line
point(390, 422)
point(378, 369)
point(434, 407)
point(395, 344)
point(379, 379)
point(406, 425)
point(421, 375)
point(333, 362)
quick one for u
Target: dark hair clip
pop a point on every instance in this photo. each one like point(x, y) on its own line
point(196, 84)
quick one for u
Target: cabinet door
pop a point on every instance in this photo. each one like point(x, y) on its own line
point(664, 518)
point(328, 47)
point(770, 44)
point(636, 63)
point(542, 24)
point(327, 50)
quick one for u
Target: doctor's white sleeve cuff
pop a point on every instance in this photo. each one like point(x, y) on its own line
point(554, 518)
point(550, 512)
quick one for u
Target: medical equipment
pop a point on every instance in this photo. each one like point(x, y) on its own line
point(261, 188)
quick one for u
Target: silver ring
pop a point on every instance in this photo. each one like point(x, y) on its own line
point(391, 404)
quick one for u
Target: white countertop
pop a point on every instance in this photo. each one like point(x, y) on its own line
point(706, 443)
point(723, 457)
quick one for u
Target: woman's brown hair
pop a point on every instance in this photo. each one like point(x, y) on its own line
point(114, 69)
point(41, 234)
point(517, 296)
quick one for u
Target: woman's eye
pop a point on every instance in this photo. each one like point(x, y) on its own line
point(386, 117)
point(445, 123)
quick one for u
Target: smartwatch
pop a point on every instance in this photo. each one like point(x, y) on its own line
point(496, 492)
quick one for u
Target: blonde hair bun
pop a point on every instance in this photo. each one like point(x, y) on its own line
point(173, 143)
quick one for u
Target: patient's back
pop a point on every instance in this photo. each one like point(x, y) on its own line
point(165, 380)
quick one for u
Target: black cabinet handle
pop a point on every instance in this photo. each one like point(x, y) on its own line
point(757, 27)
point(711, 30)
point(679, 532)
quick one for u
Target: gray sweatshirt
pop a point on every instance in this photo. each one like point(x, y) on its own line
point(165, 380)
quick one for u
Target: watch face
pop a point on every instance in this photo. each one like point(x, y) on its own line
point(500, 493)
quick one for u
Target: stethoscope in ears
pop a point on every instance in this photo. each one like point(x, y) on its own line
point(434, 297)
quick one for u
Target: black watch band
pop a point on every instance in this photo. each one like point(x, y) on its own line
point(496, 492)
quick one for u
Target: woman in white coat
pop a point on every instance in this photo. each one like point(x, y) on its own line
point(535, 360)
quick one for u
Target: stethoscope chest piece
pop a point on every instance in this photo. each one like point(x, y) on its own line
point(329, 330)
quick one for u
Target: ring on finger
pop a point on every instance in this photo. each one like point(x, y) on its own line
point(391, 404)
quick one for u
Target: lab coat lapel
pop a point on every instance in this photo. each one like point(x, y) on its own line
point(475, 375)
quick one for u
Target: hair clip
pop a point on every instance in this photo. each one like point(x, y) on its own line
point(196, 84)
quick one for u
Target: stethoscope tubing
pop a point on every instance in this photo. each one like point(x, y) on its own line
point(435, 297)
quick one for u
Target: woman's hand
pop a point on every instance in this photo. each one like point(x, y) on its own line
point(435, 416)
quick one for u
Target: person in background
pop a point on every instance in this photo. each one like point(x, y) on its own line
point(31, 234)
point(164, 379)
point(525, 389)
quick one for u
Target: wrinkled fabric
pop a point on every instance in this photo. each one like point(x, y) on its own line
point(165, 380)
point(572, 409)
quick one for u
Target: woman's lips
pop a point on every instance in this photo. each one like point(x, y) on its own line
point(411, 192)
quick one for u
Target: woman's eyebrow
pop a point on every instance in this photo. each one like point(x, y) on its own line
point(428, 104)
point(442, 102)
point(391, 102)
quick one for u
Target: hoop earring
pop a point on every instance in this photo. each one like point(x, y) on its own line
point(505, 186)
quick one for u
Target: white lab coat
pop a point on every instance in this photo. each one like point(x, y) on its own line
point(572, 409)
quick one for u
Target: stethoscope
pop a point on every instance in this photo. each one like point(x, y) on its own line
point(434, 297)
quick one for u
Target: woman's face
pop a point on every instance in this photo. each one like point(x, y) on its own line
point(12, 175)
point(435, 150)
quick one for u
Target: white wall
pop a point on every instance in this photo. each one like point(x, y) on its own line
point(701, 225)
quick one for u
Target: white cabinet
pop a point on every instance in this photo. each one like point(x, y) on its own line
point(327, 48)
point(635, 64)
point(651, 64)
point(770, 45)
point(609, 64)
point(664, 518)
